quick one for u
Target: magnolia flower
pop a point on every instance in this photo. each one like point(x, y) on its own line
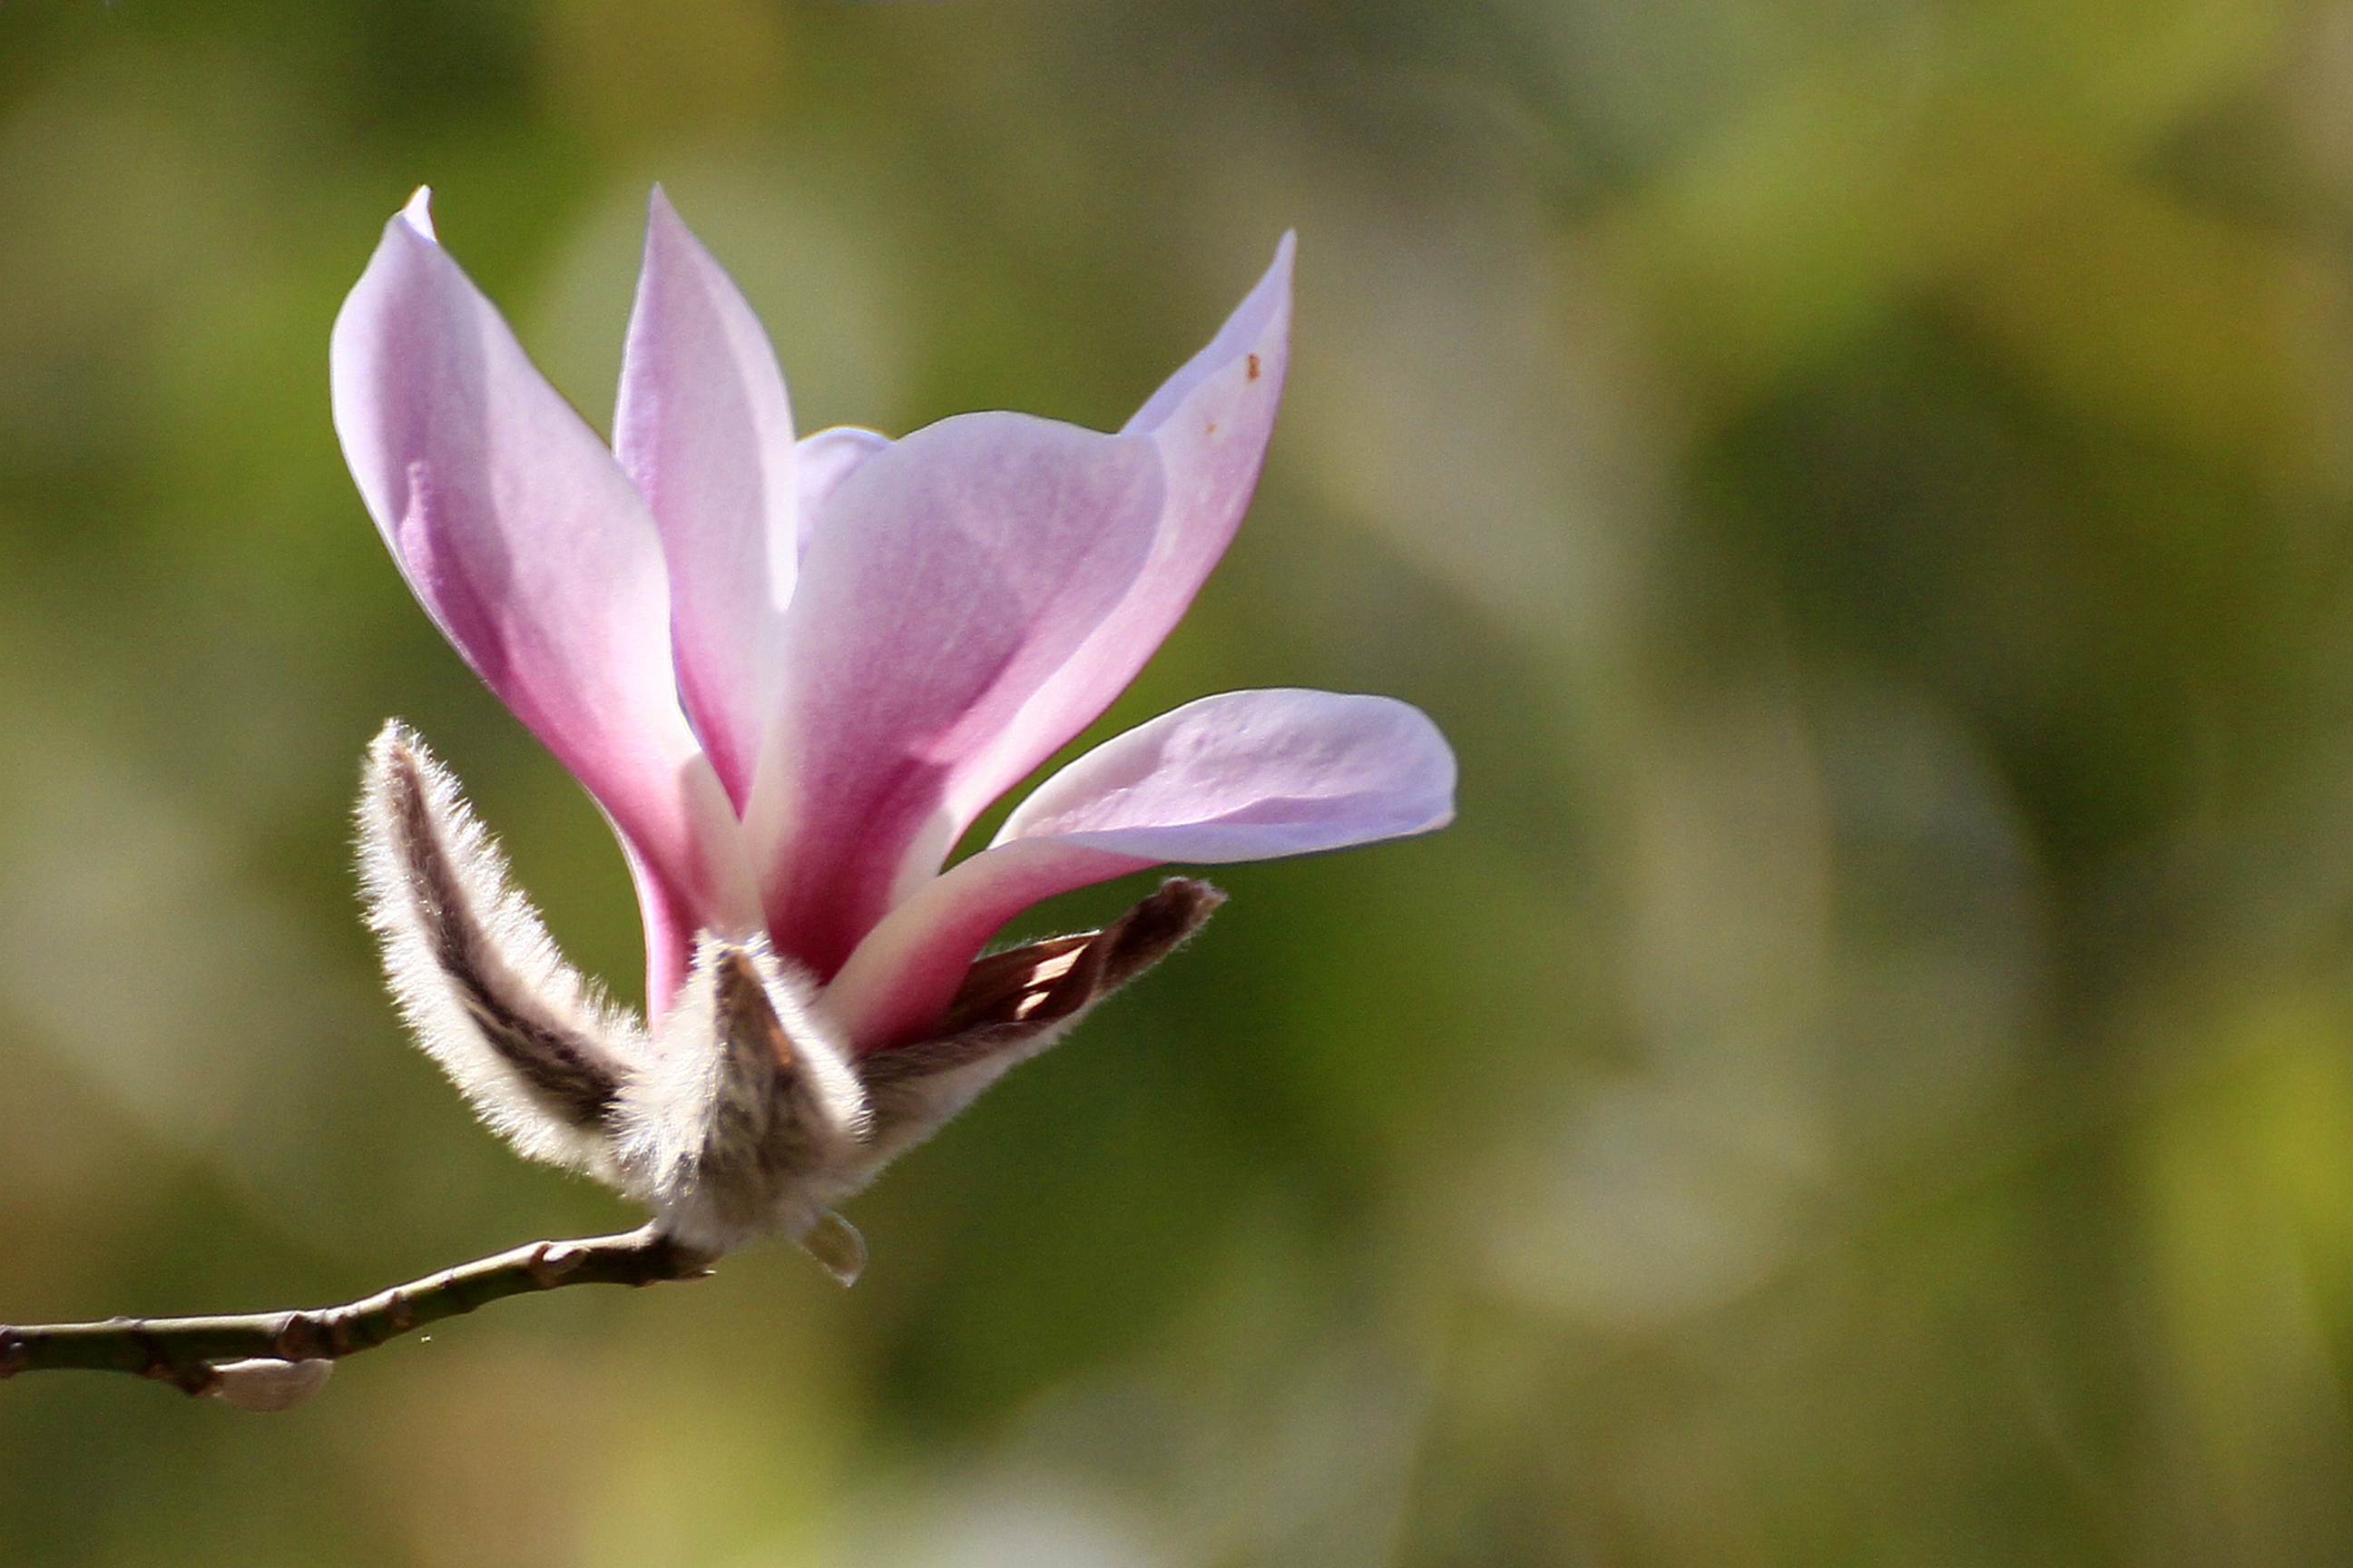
point(793, 673)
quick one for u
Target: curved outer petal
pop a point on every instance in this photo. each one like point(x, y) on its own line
point(1251, 775)
point(1247, 775)
point(825, 459)
point(1212, 422)
point(705, 428)
point(950, 575)
point(535, 554)
point(905, 974)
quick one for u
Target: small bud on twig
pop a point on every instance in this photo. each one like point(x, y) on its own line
point(266, 1384)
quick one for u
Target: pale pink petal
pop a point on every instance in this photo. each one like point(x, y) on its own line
point(418, 210)
point(1251, 775)
point(705, 428)
point(903, 976)
point(826, 459)
point(1212, 422)
point(1247, 775)
point(1261, 322)
point(952, 573)
point(718, 894)
point(535, 554)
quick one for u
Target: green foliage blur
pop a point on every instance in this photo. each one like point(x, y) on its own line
point(1867, 485)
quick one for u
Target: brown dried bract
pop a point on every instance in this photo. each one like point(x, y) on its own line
point(1010, 999)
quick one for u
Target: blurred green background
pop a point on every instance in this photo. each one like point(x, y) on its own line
point(1867, 485)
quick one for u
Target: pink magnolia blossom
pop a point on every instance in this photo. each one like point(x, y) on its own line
point(794, 671)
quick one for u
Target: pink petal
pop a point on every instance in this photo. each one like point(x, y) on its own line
point(903, 976)
point(1259, 323)
point(950, 575)
point(1251, 775)
point(535, 554)
point(1212, 422)
point(705, 428)
point(826, 459)
point(1247, 775)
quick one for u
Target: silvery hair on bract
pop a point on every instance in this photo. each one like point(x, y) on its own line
point(744, 1115)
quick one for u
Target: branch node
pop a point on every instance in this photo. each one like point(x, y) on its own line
point(297, 1338)
point(273, 1360)
point(672, 1262)
point(196, 1382)
point(550, 1261)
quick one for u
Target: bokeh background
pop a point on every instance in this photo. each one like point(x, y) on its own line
point(1867, 485)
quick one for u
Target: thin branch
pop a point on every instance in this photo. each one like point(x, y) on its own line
point(191, 1352)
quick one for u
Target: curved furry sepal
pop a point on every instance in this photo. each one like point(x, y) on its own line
point(747, 1111)
point(1012, 1006)
point(747, 1116)
point(533, 1047)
